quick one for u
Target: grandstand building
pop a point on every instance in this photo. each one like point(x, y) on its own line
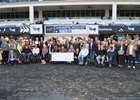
point(70, 11)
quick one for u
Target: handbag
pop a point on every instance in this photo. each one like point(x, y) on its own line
point(121, 52)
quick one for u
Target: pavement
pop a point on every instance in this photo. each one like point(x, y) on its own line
point(61, 81)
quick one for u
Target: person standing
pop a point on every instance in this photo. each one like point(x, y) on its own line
point(115, 54)
point(110, 53)
point(121, 54)
point(5, 49)
point(138, 53)
point(131, 54)
point(91, 56)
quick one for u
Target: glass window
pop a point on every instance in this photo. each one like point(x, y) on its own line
point(73, 13)
point(88, 13)
point(83, 13)
point(127, 13)
point(68, 13)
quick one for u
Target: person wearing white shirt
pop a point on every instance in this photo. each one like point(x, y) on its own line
point(131, 53)
point(83, 53)
point(36, 54)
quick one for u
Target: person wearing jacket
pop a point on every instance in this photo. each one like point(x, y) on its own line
point(121, 53)
point(110, 53)
point(131, 53)
point(83, 53)
point(91, 56)
point(138, 53)
point(26, 54)
point(12, 58)
point(5, 49)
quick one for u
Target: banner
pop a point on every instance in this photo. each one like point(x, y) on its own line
point(119, 29)
point(72, 29)
point(8, 30)
point(68, 29)
point(62, 57)
point(36, 29)
point(14, 29)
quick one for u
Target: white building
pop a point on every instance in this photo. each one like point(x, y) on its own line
point(70, 11)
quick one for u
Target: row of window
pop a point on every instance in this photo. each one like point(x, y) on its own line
point(128, 13)
point(74, 13)
point(17, 15)
point(70, 14)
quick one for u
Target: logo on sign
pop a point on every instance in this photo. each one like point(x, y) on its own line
point(121, 30)
point(131, 29)
point(92, 29)
point(36, 29)
point(12, 30)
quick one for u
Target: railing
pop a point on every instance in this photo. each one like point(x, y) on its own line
point(128, 18)
point(14, 1)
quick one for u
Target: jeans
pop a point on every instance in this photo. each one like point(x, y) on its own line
point(110, 57)
point(26, 57)
point(91, 57)
point(138, 62)
point(114, 59)
point(12, 61)
point(131, 60)
point(81, 59)
point(36, 58)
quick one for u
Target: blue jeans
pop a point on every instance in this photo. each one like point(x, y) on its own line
point(26, 57)
point(91, 57)
point(138, 62)
point(11, 61)
point(36, 58)
point(110, 57)
point(81, 59)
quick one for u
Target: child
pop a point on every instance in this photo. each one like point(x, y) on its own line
point(12, 57)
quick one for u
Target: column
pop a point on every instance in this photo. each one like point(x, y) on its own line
point(31, 14)
point(40, 14)
point(114, 11)
point(106, 12)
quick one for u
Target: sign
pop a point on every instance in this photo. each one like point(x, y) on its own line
point(14, 29)
point(9, 30)
point(119, 29)
point(58, 57)
point(71, 29)
point(92, 29)
point(36, 29)
point(24, 29)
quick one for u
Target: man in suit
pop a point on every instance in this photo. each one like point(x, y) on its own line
point(91, 56)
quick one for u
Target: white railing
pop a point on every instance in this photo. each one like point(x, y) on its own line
point(73, 21)
point(14, 1)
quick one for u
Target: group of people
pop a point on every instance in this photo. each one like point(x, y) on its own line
point(106, 51)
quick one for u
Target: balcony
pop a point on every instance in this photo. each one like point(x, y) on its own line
point(14, 1)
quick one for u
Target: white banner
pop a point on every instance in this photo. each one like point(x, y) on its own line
point(92, 29)
point(62, 57)
point(36, 29)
